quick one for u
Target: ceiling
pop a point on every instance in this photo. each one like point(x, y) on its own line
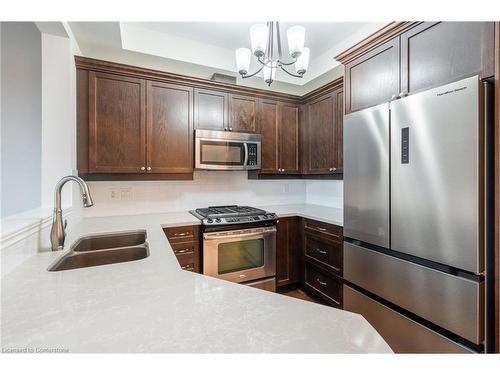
point(212, 44)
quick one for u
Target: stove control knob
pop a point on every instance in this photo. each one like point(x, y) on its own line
point(209, 220)
point(217, 220)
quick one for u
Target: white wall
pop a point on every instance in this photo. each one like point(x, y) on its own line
point(207, 189)
point(326, 193)
point(20, 117)
point(58, 116)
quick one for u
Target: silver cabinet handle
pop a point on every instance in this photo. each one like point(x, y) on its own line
point(143, 168)
point(282, 170)
point(320, 229)
point(331, 169)
point(230, 129)
point(321, 282)
point(321, 251)
point(181, 234)
point(148, 168)
point(182, 251)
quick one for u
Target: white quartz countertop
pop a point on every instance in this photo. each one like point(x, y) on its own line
point(151, 305)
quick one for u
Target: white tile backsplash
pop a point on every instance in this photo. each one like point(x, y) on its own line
point(325, 193)
point(207, 189)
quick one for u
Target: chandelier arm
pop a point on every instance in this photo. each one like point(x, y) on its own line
point(293, 75)
point(253, 74)
point(264, 63)
point(287, 64)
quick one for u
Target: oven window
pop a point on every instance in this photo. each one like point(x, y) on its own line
point(222, 153)
point(240, 255)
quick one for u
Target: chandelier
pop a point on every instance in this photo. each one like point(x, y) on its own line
point(265, 38)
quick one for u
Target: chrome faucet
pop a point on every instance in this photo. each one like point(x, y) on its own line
point(58, 231)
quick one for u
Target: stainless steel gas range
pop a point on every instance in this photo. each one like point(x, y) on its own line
point(239, 244)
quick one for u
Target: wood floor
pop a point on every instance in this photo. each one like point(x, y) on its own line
point(300, 294)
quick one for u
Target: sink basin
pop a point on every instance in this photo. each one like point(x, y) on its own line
point(103, 249)
point(109, 241)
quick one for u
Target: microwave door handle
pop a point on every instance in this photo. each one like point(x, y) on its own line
point(245, 162)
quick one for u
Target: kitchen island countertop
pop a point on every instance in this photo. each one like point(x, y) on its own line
point(151, 305)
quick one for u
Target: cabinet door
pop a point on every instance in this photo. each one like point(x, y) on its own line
point(287, 251)
point(321, 135)
point(210, 110)
point(242, 114)
point(169, 128)
point(373, 78)
point(435, 53)
point(339, 130)
point(269, 129)
point(117, 124)
point(289, 138)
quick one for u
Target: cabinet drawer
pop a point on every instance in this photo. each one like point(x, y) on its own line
point(330, 231)
point(188, 262)
point(182, 234)
point(329, 253)
point(185, 248)
point(324, 284)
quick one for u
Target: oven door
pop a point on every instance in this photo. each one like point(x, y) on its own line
point(240, 255)
point(216, 150)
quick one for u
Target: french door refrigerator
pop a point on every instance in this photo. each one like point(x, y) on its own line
point(417, 222)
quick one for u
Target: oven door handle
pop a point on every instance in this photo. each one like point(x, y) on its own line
point(245, 146)
point(219, 236)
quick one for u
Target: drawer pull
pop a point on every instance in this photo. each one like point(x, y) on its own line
point(181, 234)
point(320, 229)
point(321, 282)
point(182, 251)
point(187, 268)
point(321, 251)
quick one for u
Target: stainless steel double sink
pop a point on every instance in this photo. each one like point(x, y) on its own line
point(101, 249)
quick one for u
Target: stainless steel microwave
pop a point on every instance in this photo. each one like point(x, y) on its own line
point(222, 150)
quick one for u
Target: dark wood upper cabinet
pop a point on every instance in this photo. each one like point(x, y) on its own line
point(339, 128)
point(289, 138)
point(211, 109)
point(417, 56)
point(321, 134)
point(242, 113)
point(117, 124)
point(269, 129)
point(436, 53)
point(288, 250)
point(372, 78)
point(169, 128)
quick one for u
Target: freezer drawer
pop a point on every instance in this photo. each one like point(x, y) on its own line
point(436, 175)
point(451, 302)
point(402, 334)
point(366, 175)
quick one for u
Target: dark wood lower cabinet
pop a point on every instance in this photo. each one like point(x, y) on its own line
point(186, 244)
point(287, 251)
point(323, 284)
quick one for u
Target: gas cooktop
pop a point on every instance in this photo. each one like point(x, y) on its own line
point(232, 215)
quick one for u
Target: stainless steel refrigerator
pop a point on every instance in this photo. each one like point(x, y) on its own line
point(417, 225)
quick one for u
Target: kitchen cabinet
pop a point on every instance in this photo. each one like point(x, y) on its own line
point(269, 130)
point(287, 251)
point(116, 124)
point(169, 128)
point(289, 138)
point(324, 134)
point(373, 78)
point(414, 57)
point(436, 53)
point(322, 258)
point(242, 113)
point(211, 109)
point(279, 127)
point(186, 244)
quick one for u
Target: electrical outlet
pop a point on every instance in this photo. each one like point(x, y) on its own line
point(114, 194)
point(126, 194)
